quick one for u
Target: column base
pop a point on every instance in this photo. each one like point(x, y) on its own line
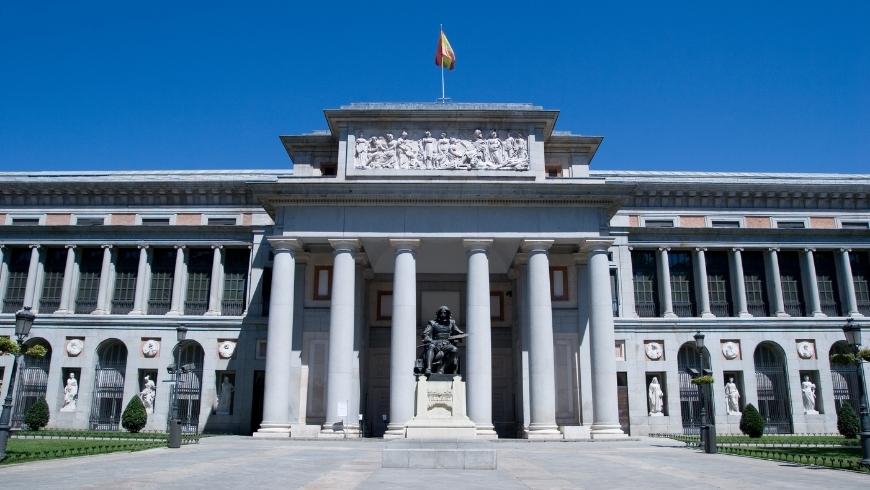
point(707, 314)
point(328, 431)
point(173, 313)
point(486, 432)
point(273, 431)
point(62, 312)
point(212, 313)
point(133, 312)
point(819, 314)
point(395, 432)
point(99, 311)
point(744, 314)
point(782, 314)
point(542, 433)
point(856, 314)
point(607, 431)
point(669, 314)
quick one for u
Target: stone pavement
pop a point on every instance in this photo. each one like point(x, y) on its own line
point(256, 464)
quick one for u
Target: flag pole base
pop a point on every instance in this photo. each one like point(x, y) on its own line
point(443, 100)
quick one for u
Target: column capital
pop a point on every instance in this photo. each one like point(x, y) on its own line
point(536, 246)
point(477, 245)
point(179, 247)
point(664, 249)
point(700, 249)
point(809, 249)
point(404, 244)
point(596, 245)
point(845, 250)
point(217, 246)
point(37, 245)
point(68, 245)
point(737, 249)
point(773, 249)
point(281, 244)
point(106, 245)
point(143, 246)
point(348, 245)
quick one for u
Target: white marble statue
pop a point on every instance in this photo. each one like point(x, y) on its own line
point(70, 394)
point(656, 397)
point(732, 398)
point(429, 147)
point(148, 394)
point(361, 157)
point(808, 390)
point(225, 397)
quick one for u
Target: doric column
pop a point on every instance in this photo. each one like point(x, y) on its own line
point(665, 297)
point(628, 309)
point(847, 282)
point(542, 377)
point(811, 283)
point(177, 307)
point(141, 282)
point(342, 330)
point(103, 306)
point(66, 287)
point(279, 340)
point(703, 289)
point(605, 411)
point(776, 282)
point(214, 291)
point(4, 273)
point(403, 336)
point(30, 285)
point(738, 283)
point(479, 329)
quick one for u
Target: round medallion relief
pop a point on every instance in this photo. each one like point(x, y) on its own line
point(805, 350)
point(654, 351)
point(150, 348)
point(74, 347)
point(226, 349)
point(730, 350)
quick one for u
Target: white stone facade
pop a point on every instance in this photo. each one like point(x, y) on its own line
point(308, 289)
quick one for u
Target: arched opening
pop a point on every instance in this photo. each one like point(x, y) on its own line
point(772, 383)
point(690, 394)
point(844, 377)
point(108, 399)
point(190, 357)
point(32, 380)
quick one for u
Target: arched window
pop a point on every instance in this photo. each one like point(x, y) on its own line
point(844, 378)
point(32, 381)
point(772, 384)
point(190, 358)
point(690, 394)
point(108, 400)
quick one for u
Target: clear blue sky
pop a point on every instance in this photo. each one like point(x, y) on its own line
point(671, 85)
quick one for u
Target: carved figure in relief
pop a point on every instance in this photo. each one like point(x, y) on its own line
point(148, 394)
point(70, 393)
point(481, 150)
point(429, 148)
point(407, 151)
point(225, 397)
point(732, 397)
point(656, 396)
point(441, 159)
point(362, 152)
point(808, 390)
point(496, 151)
point(457, 156)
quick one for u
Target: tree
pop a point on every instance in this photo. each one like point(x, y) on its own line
point(36, 416)
point(847, 421)
point(751, 422)
point(134, 417)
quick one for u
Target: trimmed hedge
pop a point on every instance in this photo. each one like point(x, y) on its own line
point(751, 422)
point(847, 421)
point(134, 417)
point(37, 415)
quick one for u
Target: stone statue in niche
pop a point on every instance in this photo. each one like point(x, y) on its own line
point(732, 398)
point(225, 397)
point(70, 394)
point(656, 397)
point(444, 153)
point(808, 394)
point(148, 394)
point(440, 353)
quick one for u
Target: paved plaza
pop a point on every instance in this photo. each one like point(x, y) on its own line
point(243, 462)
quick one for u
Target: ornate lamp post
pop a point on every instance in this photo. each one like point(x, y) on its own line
point(708, 431)
point(23, 321)
point(174, 440)
point(853, 335)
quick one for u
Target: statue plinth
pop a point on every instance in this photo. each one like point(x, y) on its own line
point(440, 410)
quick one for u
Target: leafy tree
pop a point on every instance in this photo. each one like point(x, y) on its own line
point(134, 417)
point(36, 416)
point(847, 421)
point(751, 422)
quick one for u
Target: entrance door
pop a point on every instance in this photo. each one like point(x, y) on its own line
point(259, 387)
point(504, 416)
point(622, 401)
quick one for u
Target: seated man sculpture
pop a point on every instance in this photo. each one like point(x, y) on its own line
point(440, 337)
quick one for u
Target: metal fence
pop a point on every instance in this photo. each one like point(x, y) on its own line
point(773, 398)
point(108, 398)
point(32, 386)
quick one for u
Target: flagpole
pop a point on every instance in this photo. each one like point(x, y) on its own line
point(443, 97)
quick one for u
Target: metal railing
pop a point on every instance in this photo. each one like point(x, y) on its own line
point(646, 309)
point(85, 306)
point(195, 307)
point(12, 305)
point(684, 309)
point(232, 307)
point(121, 306)
point(159, 307)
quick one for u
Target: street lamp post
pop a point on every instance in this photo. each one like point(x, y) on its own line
point(708, 431)
point(23, 321)
point(853, 335)
point(174, 440)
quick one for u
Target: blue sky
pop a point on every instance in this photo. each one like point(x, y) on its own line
point(673, 85)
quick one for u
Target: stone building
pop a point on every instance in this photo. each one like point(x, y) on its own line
point(305, 290)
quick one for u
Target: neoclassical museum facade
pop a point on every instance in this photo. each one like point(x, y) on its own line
point(305, 290)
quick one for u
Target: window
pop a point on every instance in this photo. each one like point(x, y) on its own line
point(90, 266)
point(790, 278)
point(719, 283)
point(559, 283)
point(826, 278)
point(682, 283)
point(614, 292)
point(25, 221)
point(755, 283)
point(791, 225)
point(322, 282)
point(725, 223)
point(155, 221)
point(222, 221)
point(199, 264)
point(162, 278)
point(645, 280)
point(496, 306)
point(659, 223)
point(90, 221)
point(235, 281)
point(19, 264)
point(52, 283)
point(126, 269)
point(854, 225)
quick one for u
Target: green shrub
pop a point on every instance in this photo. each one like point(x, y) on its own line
point(36, 416)
point(847, 421)
point(134, 417)
point(751, 422)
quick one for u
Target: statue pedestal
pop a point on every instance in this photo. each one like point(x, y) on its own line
point(440, 410)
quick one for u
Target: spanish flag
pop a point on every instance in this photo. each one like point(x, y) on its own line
point(444, 56)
